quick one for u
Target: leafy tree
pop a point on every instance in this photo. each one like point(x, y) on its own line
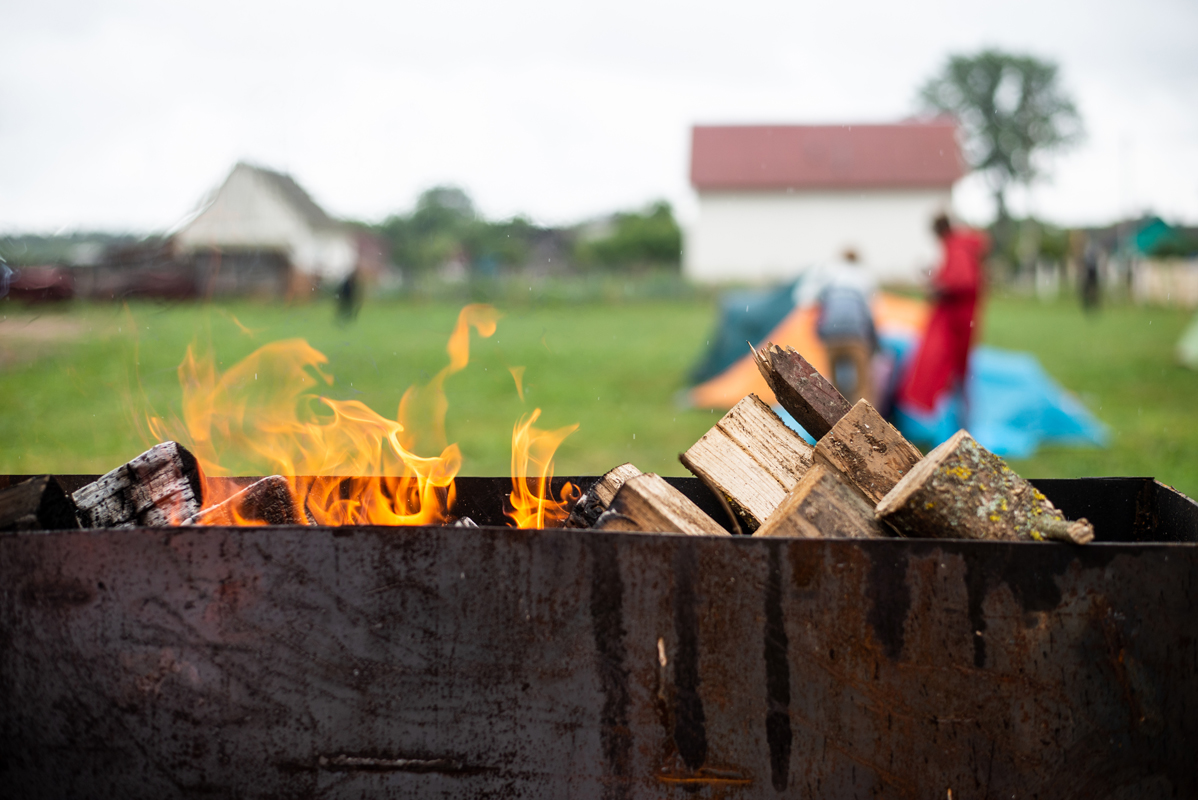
point(636, 239)
point(445, 224)
point(1012, 110)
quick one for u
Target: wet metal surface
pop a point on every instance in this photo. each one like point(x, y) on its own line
point(433, 662)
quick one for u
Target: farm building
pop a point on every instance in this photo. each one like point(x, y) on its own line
point(776, 199)
point(260, 232)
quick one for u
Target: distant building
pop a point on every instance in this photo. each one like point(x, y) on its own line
point(775, 199)
point(261, 233)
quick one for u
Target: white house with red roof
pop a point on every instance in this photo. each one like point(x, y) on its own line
point(777, 199)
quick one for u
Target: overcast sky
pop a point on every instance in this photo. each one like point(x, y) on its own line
point(121, 115)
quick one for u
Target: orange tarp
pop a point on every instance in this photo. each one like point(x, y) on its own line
point(725, 390)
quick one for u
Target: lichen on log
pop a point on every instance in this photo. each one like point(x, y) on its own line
point(961, 490)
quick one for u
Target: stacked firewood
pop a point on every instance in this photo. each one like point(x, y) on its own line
point(862, 479)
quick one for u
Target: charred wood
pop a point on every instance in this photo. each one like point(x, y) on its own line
point(269, 501)
point(595, 500)
point(162, 486)
point(38, 504)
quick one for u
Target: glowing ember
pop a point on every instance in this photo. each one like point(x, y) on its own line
point(356, 466)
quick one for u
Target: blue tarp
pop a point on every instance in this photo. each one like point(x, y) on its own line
point(1014, 407)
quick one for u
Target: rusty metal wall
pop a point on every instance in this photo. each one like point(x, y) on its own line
point(434, 662)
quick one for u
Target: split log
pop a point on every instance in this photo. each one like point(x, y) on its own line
point(868, 451)
point(750, 459)
point(807, 395)
point(961, 490)
point(269, 501)
point(38, 504)
point(824, 506)
point(162, 486)
point(597, 499)
point(648, 503)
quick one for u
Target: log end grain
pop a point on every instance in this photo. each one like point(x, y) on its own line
point(750, 459)
point(649, 503)
point(823, 506)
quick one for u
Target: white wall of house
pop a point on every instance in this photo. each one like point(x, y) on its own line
point(247, 212)
point(758, 236)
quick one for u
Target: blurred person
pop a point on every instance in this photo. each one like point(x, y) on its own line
point(846, 326)
point(1090, 289)
point(942, 358)
point(348, 299)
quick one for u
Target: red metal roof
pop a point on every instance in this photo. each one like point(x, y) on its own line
point(905, 155)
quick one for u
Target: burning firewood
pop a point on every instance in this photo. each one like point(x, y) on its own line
point(648, 503)
point(38, 504)
point(750, 459)
point(823, 506)
point(162, 486)
point(269, 501)
point(962, 490)
point(597, 499)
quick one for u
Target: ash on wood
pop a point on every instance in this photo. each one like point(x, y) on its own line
point(597, 499)
point(868, 451)
point(961, 490)
point(162, 486)
point(648, 503)
point(750, 459)
point(823, 506)
point(38, 504)
point(810, 398)
point(269, 501)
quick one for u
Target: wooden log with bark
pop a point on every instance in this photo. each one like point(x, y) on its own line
point(648, 503)
point(807, 395)
point(750, 459)
point(269, 501)
point(38, 504)
point(162, 486)
point(868, 451)
point(824, 506)
point(597, 499)
point(961, 490)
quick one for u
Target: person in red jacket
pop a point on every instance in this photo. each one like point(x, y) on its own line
point(942, 359)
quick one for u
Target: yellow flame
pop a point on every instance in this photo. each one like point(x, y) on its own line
point(264, 413)
point(532, 475)
point(518, 377)
point(347, 464)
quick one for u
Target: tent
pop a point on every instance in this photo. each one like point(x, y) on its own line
point(1014, 405)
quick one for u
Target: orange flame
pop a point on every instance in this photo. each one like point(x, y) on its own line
point(532, 463)
point(264, 415)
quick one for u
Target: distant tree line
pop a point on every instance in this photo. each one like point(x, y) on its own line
point(445, 227)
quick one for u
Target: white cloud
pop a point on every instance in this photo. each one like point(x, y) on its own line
point(122, 114)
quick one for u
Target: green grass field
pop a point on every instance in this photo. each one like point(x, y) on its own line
point(73, 381)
